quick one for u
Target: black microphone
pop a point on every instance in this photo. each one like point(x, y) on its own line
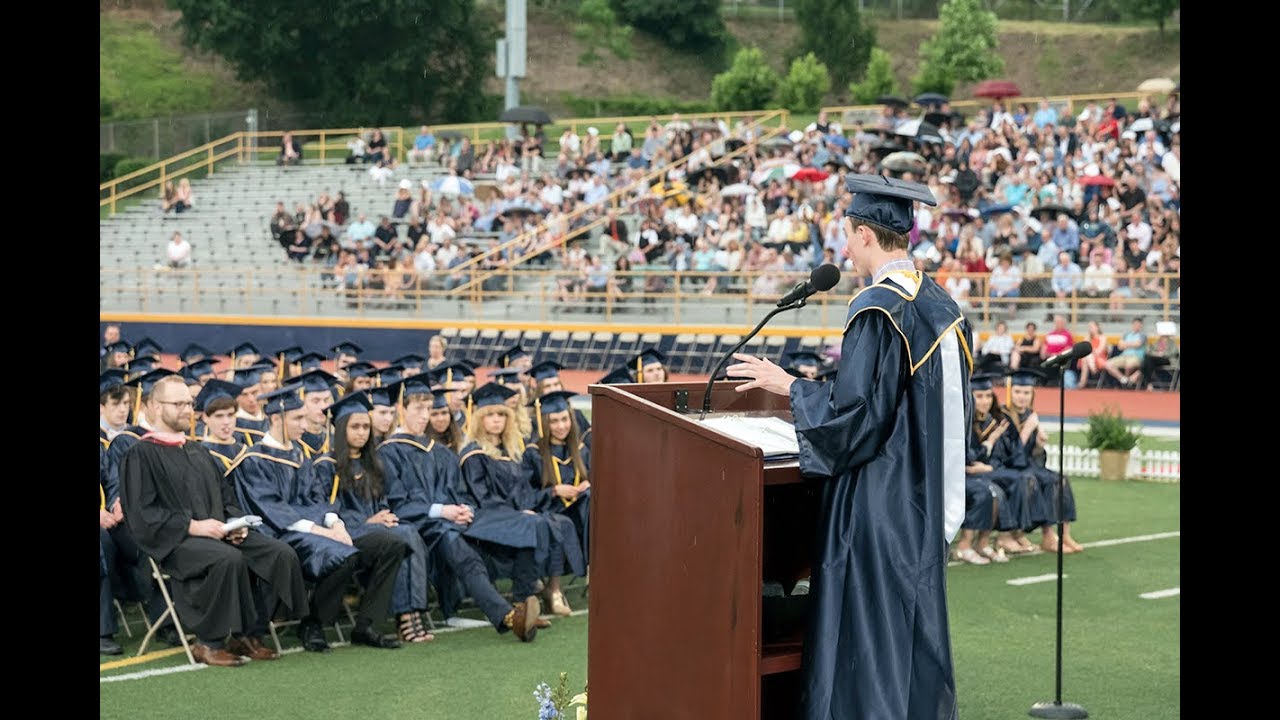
point(822, 279)
point(1076, 352)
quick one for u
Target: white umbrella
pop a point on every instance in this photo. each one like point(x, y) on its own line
point(1142, 125)
point(1157, 85)
point(453, 185)
point(737, 189)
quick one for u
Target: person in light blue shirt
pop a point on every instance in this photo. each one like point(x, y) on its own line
point(1067, 276)
point(360, 230)
point(1045, 116)
point(598, 191)
point(1016, 191)
point(424, 146)
point(1127, 366)
point(1066, 235)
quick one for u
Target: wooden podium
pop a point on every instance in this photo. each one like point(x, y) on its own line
point(687, 523)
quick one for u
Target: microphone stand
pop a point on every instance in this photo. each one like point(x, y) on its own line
point(1058, 709)
point(706, 398)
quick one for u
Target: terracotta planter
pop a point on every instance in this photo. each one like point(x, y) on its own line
point(1113, 464)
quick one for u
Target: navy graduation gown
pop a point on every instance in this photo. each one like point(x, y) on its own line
point(317, 443)
point(579, 509)
point(116, 450)
point(1017, 486)
point(409, 593)
point(418, 474)
point(1026, 456)
point(878, 642)
point(498, 492)
point(225, 453)
point(277, 485)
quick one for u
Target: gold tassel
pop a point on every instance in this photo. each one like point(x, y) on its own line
point(537, 410)
point(103, 493)
point(333, 495)
point(280, 369)
point(468, 413)
point(1008, 391)
point(400, 408)
point(640, 369)
point(137, 406)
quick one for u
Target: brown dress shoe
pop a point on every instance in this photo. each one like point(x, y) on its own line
point(252, 648)
point(523, 619)
point(221, 657)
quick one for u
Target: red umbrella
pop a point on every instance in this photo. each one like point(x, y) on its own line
point(997, 89)
point(1097, 180)
point(810, 174)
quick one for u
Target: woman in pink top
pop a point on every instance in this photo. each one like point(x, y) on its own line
point(1093, 362)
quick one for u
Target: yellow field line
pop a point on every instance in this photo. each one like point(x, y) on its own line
point(140, 659)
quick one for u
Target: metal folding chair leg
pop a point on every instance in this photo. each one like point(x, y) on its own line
point(169, 612)
point(124, 621)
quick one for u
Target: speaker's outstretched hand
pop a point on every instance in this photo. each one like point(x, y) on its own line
point(762, 374)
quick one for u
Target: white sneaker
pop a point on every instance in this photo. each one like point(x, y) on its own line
point(462, 623)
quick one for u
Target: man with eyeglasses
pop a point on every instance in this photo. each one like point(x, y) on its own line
point(227, 585)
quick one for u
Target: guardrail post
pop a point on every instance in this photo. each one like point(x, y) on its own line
point(323, 142)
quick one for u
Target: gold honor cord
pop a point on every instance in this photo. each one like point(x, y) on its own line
point(577, 480)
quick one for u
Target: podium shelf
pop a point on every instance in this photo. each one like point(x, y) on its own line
point(780, 658)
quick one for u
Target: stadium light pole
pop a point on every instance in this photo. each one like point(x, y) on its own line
point(1058, 710)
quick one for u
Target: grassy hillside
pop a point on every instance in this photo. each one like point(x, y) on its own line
point(145, 71)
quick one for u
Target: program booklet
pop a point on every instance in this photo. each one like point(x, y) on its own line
point(775, 436)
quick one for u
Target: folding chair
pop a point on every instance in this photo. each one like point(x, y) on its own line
point(124, 621)
point(754, 346)
point(677, 356)
point(811, 343)
point(555, 344)
point(774, 347)
point(698, 357)
point(532, 341)
point(508, 339)
point(597, 353)
point(574, 350)
point(169, 612)
point(723, 345)
point(466, 343)
point(625, 346)
point(486, 346)
point(450, 337)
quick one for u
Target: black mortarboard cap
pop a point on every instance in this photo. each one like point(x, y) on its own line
point(290, 354)
point(215, 389)
point(193, 371)
point(253, 374)
point(111, 378)
point(384, 396)
point(506, 376)
point(355, 402)
point(440, 398)
point(412, 360)
point(491, 394)
point(149, 380)
point(141, 365)
point(512, 354)
point(119, 346)
point(147, 346)
point(546, 370)
point(310, 361)
point(982, 381)
point(316, 381)
point(244, 348)
point(450, 372)
point(389, 375)
point(553, 402)
point(1027, 376)
point(361, 368)
point(886, 202)
point(347, 347)
point(418, 384)
point(803, 357)
point(648, 356)
point(282, 400)
point(194, 352)
point(617, 376)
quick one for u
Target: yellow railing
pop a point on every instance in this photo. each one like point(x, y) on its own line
point(613, 199)
point(156, 175)
point(549, 295)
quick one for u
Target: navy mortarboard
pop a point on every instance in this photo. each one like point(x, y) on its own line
point(215, 389)
point(545, 370)
point(347, 348)
point(147, 346)
point(803, 363)
point(119, 346)
point(141, 365)
point(647, 358)
point(1027, 377)
point(506, 376)
point(413, 385)
point(886, 202)
point(310, 361)
point(193, 371)
point(491, 394)
point(289, 355)
point(389, 375)
point(440, 398)
point(552, 402)
point(514, 354)
point(109, 379)
point(356, 402)
point(982, 381)
point(385, 396)
point(450, 372)
point(194, 352)
point(316, 381)
point(361, 369)
point(285, 399)
point(243, 349)
point(253, 374)
point(412, 361)
point(617, 376)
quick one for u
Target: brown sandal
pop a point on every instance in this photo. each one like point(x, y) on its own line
point(412, 629)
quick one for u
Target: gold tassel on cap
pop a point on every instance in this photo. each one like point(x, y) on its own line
point(537, 411)
point(333, 494)
point(640, 369)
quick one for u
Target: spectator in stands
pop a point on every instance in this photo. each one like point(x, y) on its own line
point(290, 150)
point(377, 151)
point(178, 252)
point(283, 226)
point(1058, 339)
point(570, 144)
point(1093, 363)
point(1139, 230)
point(1029, 349)
point(1067, 276)
point(424, 146)
point(386, 239)
point(325, 247)
point(168, 196)
point(1099, 278)
point(1163, 353)
point(341, 209)
point(1126, 367)
point(359, 232)
point(997, 349)
point(958, 286)
point(299, 248)
point(424, 263)
point(1006, 279)
point(620, 143)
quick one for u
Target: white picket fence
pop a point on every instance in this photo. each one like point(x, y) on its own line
point(1155, 465)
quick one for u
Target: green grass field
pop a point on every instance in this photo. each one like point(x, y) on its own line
point(1121, 653)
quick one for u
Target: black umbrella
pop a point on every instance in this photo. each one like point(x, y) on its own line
point(1052, 209)
point(893, 100)
point(938, 119)
point(580, 172)
point(931, 99)
point(885, 146)
point(517, 211)
point(525, 114)
point(450, 135)
point(697, 175)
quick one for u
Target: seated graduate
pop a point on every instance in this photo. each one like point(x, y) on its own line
point(286, 360)
point(217, 403)
point(411, 364)
point(351, 480)
point(244, 355)
point(803, 364)
point(275, 480)
point(198, 372)
point(442, 426)
point(344, 353)
point(421, 485)
point(225, 583)
point(382, 414)
point(1028, 443)
point(141, 365)
point(546, 379)
point(307, 362)
point(517, 357)
point(617, 376)
point(249, 415)
point(508, 512)
point(452, 375)
point(361, 375)
point(389, 375)
point(558, 465)
point(124, 572)
point(983, 498)
point(650, 366)
point(990, 449)
point(317, 396)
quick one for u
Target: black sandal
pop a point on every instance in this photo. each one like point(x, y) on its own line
point(412, 630)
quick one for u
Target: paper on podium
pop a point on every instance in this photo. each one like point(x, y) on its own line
point(240, 522)
point(775, 436)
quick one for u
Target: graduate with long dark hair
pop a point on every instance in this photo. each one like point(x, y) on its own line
point(350, 481)
point(559, 464)
point(988, 445)
point(442, 425)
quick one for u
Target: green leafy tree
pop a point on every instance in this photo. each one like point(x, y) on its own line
point(749, 84)
point(834, 31)
point(681, 24)
point(878, 81)
point(366, 62)
point(598, 27)
point(963, 50)
point(806, 83)
point(1157, 10)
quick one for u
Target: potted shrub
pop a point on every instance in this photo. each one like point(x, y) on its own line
point(1113, 438)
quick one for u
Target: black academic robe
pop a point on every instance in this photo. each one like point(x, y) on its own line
point(1017, 486)
point(276, 485)
point(887, 445)
point(103, 444)
point(409, 593)
point(1027, 457)
point(225, 453)
point(163, 489)
point(577, 510)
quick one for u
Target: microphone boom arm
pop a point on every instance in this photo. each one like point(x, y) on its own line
point(706, 398)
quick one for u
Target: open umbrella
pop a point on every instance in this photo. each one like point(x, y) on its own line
point(737, 190)
point(452, 185)
point(996, 89)
point(931, 99)
point(517, 211)
point(1159, 86)
point(810, 174)
point(893, 100)
point(904, 162)
point(580, 172)
point(1102, 180)
point(885, 146)
point(1052, 209)
point(998, 209)
point(697, 175)
point(1142, 125)
point(450, 135)
point(920, 130)
point(525, 114)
